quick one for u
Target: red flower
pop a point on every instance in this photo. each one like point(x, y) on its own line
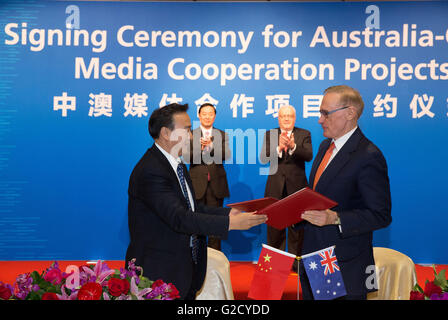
point(49, 296)
point(118, 286)
point(157, 283)
point(415, 295)
point(174, 293)
point(5, 292)
point(431, 288)
point(54, 276)
point(90, 291)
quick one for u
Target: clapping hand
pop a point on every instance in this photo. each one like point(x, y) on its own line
point(286, 142)
point(206, 143)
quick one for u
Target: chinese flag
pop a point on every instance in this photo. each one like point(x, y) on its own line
point(273, 269)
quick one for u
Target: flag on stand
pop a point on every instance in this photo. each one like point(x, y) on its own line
point(273, 269)
point(324, 274)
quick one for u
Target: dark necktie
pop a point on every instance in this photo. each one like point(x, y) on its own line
point(194, 238)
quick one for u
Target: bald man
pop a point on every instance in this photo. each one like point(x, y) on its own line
point(287, 171)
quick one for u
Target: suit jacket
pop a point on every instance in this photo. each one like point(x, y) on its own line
point(357, 179)
point(290, 168)
point(201, 164)
point(160, 223)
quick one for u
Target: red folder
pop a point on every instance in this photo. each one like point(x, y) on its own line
point(287, 211)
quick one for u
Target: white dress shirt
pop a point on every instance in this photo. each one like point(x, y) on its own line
point(339, 143)
point(174, 162)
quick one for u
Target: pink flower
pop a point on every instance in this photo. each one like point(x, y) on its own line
point(99, 273)
point(54, 276)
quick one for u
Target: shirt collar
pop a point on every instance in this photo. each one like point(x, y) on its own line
point(339, 143)
point(172, 160)
point(288, 132)
point(204, 130)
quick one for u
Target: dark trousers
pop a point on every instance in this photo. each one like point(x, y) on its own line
point(277, 238)
point(195, 285)
point(210, 199)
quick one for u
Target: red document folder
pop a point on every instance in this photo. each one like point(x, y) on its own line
point(287, 211)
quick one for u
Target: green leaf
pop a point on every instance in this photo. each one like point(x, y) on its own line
point(43, 284)
point(33, 295)
point(145, 283)
point(417, 288)
point(53, 289)
point(434, 268)
point(36, 276)
point(440, 279)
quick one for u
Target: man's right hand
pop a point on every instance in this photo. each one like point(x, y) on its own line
point(245, 220)
point(283, 141)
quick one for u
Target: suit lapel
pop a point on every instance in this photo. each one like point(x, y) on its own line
point(173, 175)
point(339, 161)
point(164, 162)
point(199, 129)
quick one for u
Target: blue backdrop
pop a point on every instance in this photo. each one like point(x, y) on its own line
point(79, 80)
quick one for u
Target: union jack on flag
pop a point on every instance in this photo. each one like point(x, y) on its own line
point(329, 261)
point(324, 274)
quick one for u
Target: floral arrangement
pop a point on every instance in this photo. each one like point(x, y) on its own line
point(97, 282)
point(434, 290)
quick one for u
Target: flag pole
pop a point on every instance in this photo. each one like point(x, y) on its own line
point(298, 258)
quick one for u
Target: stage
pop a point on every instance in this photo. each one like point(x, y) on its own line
point(241, 274)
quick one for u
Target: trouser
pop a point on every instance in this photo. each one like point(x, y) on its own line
point(192, 292)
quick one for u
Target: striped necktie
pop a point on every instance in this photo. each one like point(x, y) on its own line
point(194, 238)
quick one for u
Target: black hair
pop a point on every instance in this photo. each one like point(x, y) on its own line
point(206, 105)
point(163, 117)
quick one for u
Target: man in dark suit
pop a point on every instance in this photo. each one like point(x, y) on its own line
point(167, 227)
point(206, 156)
point(352, 171)
point(286, 149)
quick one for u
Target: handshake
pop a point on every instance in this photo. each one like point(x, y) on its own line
point(239, 220)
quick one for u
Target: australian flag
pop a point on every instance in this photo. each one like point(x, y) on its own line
point(324, 274)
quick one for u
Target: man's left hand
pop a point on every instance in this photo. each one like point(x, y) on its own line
point(320, 217)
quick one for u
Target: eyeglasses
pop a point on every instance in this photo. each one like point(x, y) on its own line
point(326, 113)
point(287, 116)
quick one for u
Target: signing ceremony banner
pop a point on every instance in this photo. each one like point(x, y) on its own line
point(79, 80)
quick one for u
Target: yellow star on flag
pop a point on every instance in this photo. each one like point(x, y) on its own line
point(267, 258)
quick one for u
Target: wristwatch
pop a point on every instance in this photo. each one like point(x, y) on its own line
point(338, 220)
